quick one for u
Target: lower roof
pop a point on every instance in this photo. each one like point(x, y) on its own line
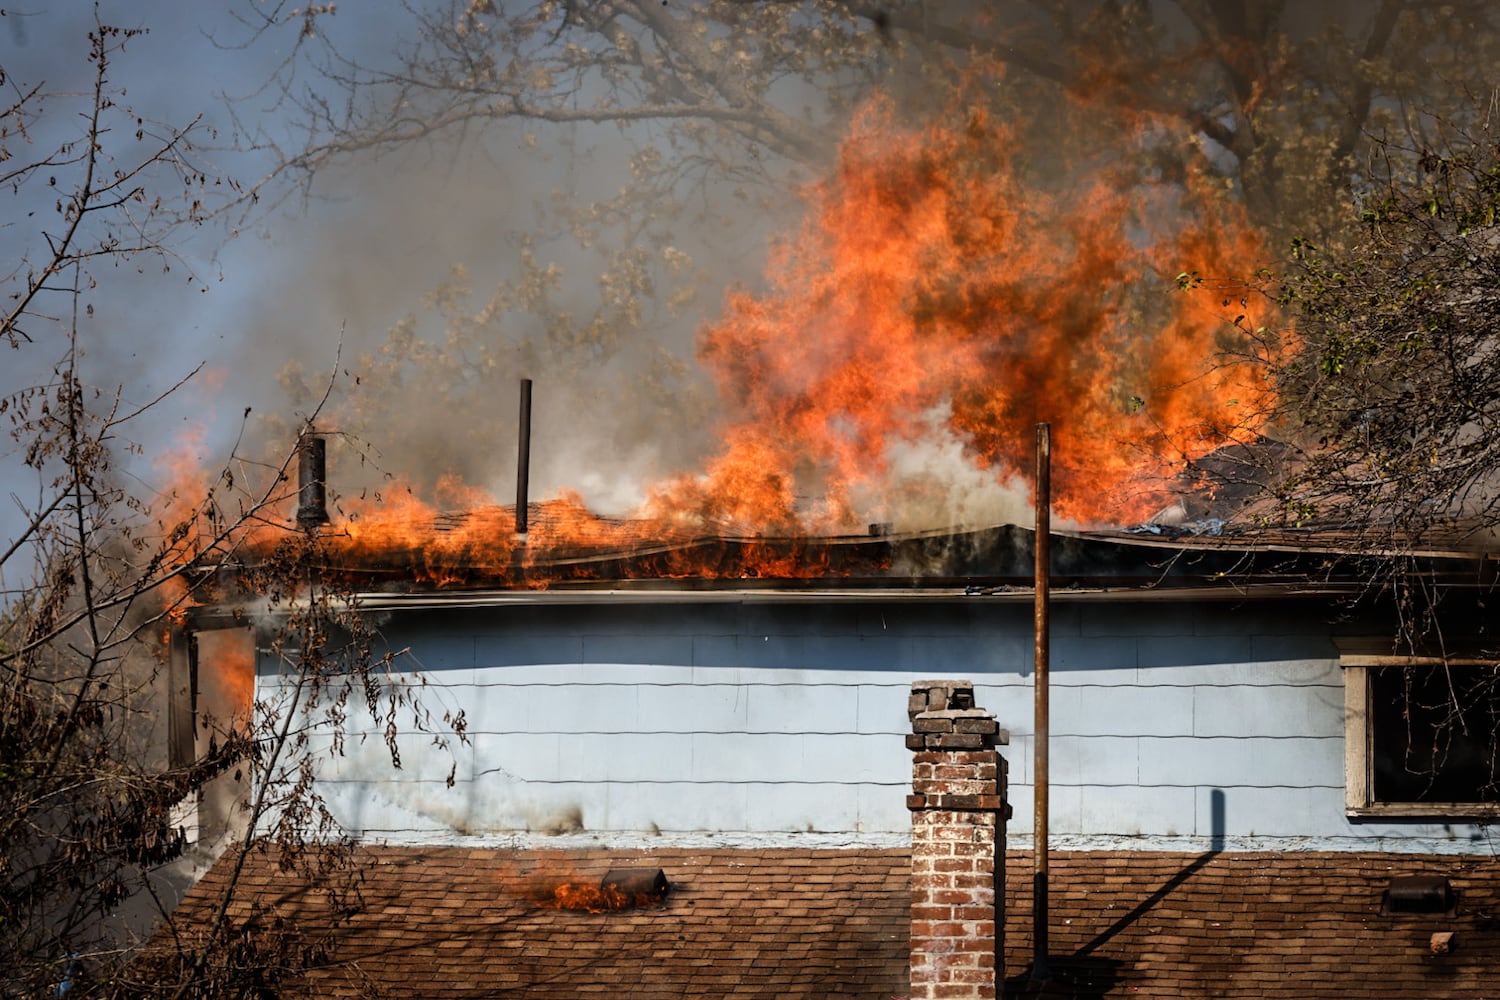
point(463, 922)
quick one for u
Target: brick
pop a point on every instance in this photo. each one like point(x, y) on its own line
point(954, 756)
point(979, 976)
point(965, 802)
point(971, 880)
point(984, 849)
point(961, 786)
point(958, 962)
point(946, 929)
point(924, 849)
point(955, 741)
point(932, 881)
point(957, 713)
point(953, 832)
point(979, 909)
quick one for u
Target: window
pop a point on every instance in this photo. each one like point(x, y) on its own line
point(1422, 735)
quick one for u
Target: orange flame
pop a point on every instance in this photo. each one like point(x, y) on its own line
point(226, 671)
point(196, 518)
point(586, 897)
point(926, 277)
point(398, 531)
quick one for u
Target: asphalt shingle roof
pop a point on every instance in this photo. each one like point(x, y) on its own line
point(463, 922)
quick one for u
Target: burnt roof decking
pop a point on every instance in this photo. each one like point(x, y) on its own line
point(988, 560)
point(459, 922)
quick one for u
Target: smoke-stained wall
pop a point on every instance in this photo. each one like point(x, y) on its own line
point(1175, 724)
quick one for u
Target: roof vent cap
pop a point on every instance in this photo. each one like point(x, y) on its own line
point(1419, 894)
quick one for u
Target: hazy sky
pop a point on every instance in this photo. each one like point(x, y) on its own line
point(148, 330)
point(289, 286)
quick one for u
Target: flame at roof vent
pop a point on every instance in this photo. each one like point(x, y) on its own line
point(619, 889)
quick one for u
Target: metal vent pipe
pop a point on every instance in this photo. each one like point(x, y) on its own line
point(312, 475)
point(523, 460)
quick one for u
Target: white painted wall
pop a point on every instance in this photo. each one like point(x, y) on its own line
point(1175, 725)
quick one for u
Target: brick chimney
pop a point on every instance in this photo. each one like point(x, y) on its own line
point(958, 814)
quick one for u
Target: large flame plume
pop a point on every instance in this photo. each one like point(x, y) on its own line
point(928, 279)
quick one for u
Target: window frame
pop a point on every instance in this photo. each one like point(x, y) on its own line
point(1358, 658)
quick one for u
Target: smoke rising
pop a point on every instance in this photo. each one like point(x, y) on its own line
point(453, 287)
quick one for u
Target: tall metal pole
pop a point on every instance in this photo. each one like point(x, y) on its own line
point(1043, 585)
point(523, 459)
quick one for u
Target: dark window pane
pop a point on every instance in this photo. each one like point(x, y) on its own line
point(1435, 734)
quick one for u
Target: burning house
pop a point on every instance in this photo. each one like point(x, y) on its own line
point(1227, 769)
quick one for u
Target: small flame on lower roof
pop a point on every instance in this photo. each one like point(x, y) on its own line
point(619, 889)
